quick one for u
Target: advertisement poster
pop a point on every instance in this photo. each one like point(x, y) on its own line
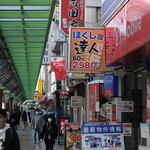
point(127, 129)
point(62, 121)
point(72, 14)
point(94, 97)
point(86, 50)
point(125, 106)
point(102, 137)
point(73, 140)
point(72, 125)
point(58, 65)
point(103, 113)
point(76, 101)
point(148, 99)
point(145, 130)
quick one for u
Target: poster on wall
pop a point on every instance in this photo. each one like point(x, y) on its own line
point(72, 14)
point(106, 137)
point(58, 65)
point(127, 129)
point(145, 130)
point(73, 140)
point(93, 99)
point(125, 106)
point(86, 52)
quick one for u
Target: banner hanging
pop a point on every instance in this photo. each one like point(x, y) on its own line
point(59, 67)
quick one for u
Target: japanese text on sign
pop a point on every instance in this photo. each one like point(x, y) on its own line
point(102, 129)
point(72, 14)
point(87, 50)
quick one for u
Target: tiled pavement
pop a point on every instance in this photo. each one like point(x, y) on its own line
point(26, 141)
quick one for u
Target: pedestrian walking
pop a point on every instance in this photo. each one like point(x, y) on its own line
point(49, 133)
point(13, 118)
point(8, 136)
point(37, 123)
point(24, 119)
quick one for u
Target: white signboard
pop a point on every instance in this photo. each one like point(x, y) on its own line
point(125, 106)
point(127, 129)
point(46, 56)
point(145, 130)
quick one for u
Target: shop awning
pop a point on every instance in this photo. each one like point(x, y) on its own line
point(24, 28)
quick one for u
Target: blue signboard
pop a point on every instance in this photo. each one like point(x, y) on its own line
point(110, 85)
point(109, 7)
point(102, 129)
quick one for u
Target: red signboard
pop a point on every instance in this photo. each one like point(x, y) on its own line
point(58, 66)
point(128, 30)
point(63, 121)
point(94, 97)
point(72, 14)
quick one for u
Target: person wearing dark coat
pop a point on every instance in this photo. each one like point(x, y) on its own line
point(13, 119)
point(24, 119)
point(9, 139)
point(49, 133)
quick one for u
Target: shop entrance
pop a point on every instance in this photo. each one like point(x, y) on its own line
point(134, 89)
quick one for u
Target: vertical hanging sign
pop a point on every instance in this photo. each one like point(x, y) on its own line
point(72, 14)
point(110, 85)
point(40, 86)
point(94, 97)
point(86, 50)
point(59, 67)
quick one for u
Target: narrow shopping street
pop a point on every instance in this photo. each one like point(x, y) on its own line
point(27, 143)
point(76, 72)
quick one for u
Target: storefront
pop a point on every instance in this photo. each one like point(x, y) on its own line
point(128, 46)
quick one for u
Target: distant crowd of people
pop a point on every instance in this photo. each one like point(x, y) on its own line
point(42, 123)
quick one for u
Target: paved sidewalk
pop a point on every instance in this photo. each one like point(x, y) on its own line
point(27, 143)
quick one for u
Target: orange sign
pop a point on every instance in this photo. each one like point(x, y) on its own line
point(86, 50)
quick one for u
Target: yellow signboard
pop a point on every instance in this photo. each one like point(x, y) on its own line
point(40, 86)
point(76, 101)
